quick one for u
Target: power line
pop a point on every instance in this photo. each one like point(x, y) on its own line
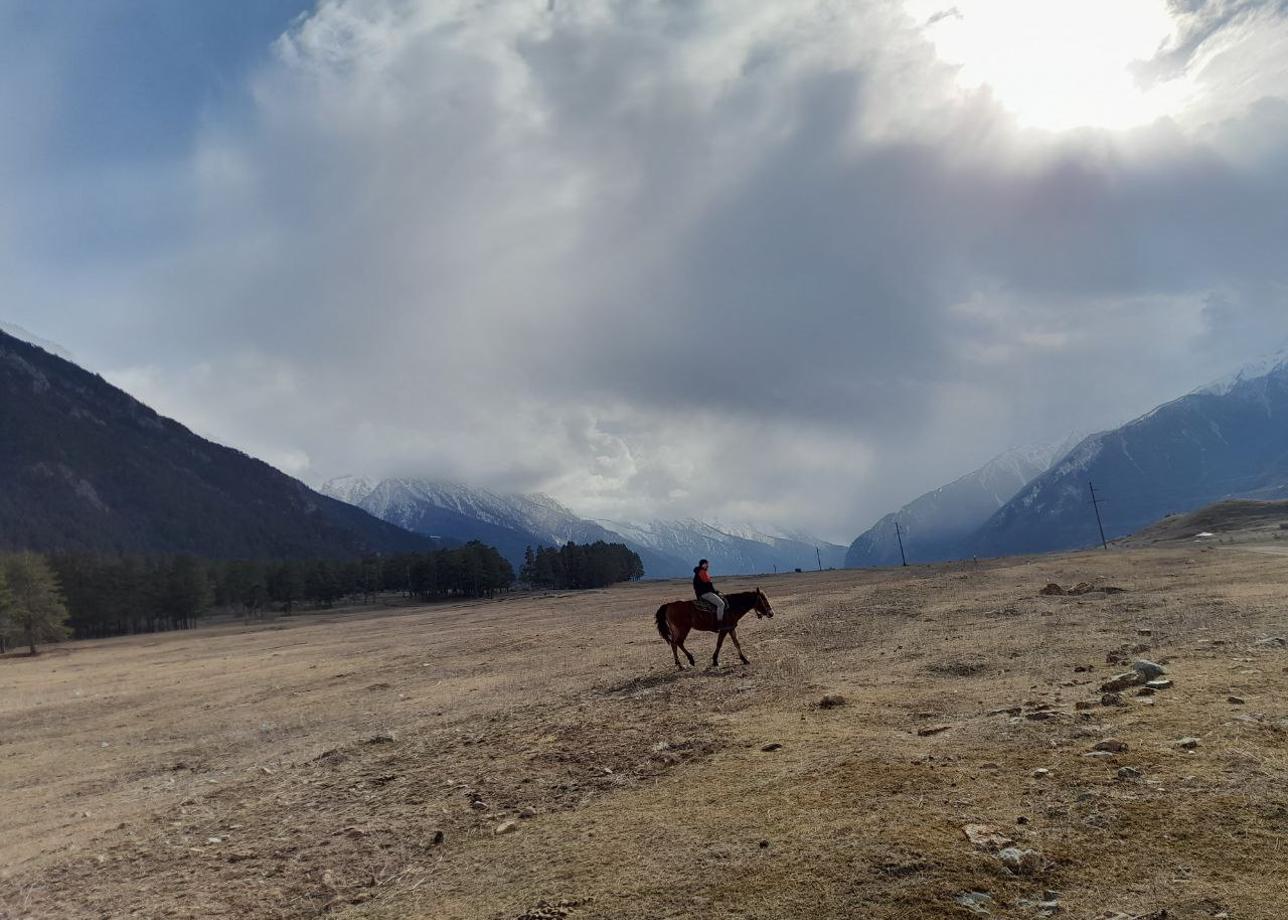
point(899, 534)
point(1095, 503)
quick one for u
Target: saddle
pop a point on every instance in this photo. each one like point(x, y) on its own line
point(706, 606)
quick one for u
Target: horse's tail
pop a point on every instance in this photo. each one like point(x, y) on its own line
point(662, 627)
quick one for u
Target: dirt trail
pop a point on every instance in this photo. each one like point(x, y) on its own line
point(363, 766)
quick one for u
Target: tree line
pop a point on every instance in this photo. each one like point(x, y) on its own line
point(48, 598)
point(93, 596)
point(588, 565)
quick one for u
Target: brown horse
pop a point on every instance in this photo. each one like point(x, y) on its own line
point(674, 620)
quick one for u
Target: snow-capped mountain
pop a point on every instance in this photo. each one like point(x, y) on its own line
point(510, 522)
point(1225, 440)
point(733, 549)
point(31, 339)
point(935, 524)
point(513, 522)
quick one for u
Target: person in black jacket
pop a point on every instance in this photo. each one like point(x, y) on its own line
point(705, 589)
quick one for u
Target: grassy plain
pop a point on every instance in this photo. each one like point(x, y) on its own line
point(359, 765)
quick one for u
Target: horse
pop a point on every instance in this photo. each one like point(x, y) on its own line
point(675, 619)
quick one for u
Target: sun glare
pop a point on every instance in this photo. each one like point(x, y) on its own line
point(1057, 64)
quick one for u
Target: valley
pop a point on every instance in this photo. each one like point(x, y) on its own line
point(540, 757)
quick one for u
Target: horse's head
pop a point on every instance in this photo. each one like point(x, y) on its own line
point(761, 606)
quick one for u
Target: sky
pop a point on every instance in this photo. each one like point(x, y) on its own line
point(791, 264)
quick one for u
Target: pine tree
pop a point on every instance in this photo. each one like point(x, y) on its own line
point(36, 612)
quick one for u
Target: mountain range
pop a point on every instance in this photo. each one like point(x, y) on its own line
point(939, 524)
point(86, 467)
point(514, 522)
point(1223, 441)
point(1226, 440)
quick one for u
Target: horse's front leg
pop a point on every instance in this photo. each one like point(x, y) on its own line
point(715, 659)
point(733, 634)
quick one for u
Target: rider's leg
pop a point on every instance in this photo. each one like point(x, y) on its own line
point(719, 603)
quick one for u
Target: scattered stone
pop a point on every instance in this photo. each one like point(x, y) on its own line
point(1128, 774)
point(986, 836)
point(1099, 755)
point(1021, 862)
point(506, 827)
point(1052, 590)
point(1040, 715)
point(1158, 685)
point(1112, 699)
point(438, 838)
point(974, 902)
point(929, 730)
point(527, 811)
point(1145, 691)
point(1188, 744)
point(478, 805)
point(1272, 642)
point(1084, 704)
point(1081, 588)
point(764, 844)
point(1006, 711)
point(1112, 745)
point(772, 746)
point(1144, 632)
point(1121, 682)
point(1147, 669)
point(1041, 773)
point(831, 701)
point(382, 738)
point(1235, 700)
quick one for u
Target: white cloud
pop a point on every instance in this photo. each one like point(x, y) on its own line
point(727, 259)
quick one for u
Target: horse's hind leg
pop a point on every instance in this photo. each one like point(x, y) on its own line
point(733, 634)
point(675, 650)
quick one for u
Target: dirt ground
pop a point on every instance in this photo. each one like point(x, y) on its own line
point(540, 757)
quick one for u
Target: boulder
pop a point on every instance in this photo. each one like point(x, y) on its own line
point(1187, 744)
point(1052, 590)
point(1021, 862)
point(1122, 682)
point(1158, 685)
point(986, 836)
point(1147, 669)
point(1112, 745)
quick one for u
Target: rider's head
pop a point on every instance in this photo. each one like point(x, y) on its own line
point(702, 563)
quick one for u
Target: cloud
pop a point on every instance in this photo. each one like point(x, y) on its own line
point(715, 259)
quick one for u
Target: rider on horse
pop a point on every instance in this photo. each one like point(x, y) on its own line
point(705, 589)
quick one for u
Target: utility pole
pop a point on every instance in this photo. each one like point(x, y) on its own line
point(1095, 503)
point(899, 533)
point(820, 558)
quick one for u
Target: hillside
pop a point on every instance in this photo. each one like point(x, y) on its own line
point(1232, 521)
point(936, 525)
point(1220, 442)
point(86, 467)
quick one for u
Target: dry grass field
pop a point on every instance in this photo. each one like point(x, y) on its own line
point(540, 757)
